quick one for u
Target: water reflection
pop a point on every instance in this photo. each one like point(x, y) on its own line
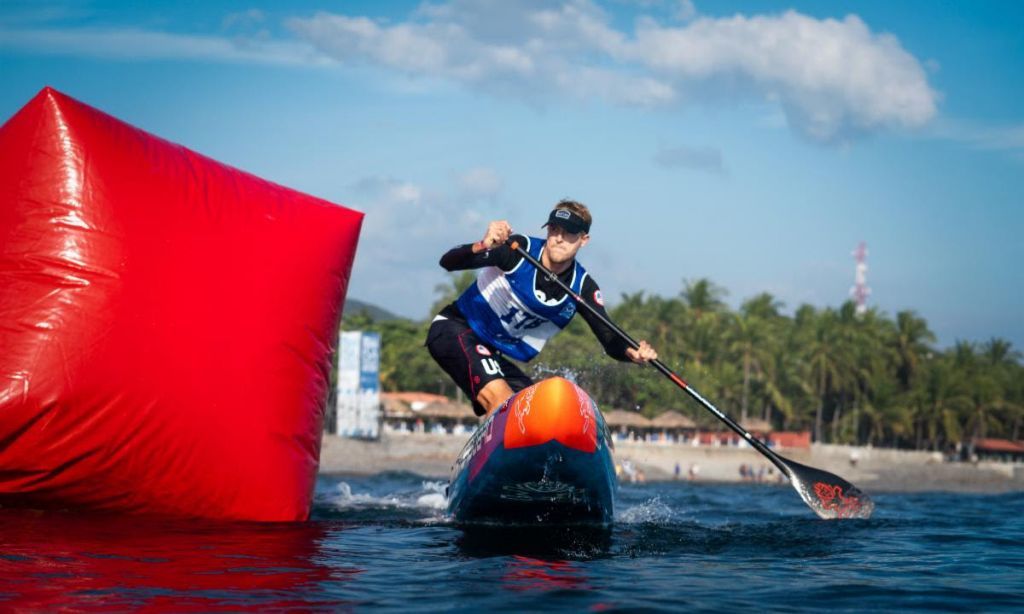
point(570, 543)
point(529, 574)
point(49, 560)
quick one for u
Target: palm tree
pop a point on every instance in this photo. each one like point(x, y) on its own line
point(1001, 362)
point(944, 399)
point(1000, 353)
point(703, 296)
point(865, 337)
point(983, 388)
point(751, 335)
point(783, 387)
point(448, 292)
point(839, 356)
point(1014, 409)
point(764, 306)
point(887, 414)
point(823, 359)
point(911, 343)
point(704, 304)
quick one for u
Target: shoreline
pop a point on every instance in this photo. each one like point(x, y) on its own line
point(875, 469)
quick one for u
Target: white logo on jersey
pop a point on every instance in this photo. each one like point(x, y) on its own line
point(492, 367)
point(598, 298)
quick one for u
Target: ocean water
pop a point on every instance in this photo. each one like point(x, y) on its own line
point(383, 542)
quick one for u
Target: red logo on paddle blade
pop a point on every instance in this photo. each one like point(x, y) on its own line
point(832, 498)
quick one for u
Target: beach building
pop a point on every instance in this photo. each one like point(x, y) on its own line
point(673, 427)
point(1005, 450)
point(627, 425)
point(423, 412)
point(789, 439)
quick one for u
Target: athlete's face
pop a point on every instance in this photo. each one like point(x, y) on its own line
point(562, 245)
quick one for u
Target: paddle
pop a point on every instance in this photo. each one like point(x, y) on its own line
point(830, 496)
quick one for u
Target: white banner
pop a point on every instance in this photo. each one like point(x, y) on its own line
point(359, 385)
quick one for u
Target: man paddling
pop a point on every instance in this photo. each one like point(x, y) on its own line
point(512, 310)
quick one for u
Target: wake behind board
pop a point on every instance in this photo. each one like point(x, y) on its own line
point(543, 457)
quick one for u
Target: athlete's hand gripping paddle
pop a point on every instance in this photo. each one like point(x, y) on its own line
point(830, 496)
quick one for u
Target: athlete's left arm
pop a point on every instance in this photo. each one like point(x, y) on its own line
point(614, 345)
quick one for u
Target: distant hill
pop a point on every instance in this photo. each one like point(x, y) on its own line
point(378, 314)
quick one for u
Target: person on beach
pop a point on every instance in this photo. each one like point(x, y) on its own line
point(511, 310)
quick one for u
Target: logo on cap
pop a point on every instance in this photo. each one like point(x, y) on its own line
point(568, 220)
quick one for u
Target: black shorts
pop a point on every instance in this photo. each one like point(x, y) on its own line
point(469, 361)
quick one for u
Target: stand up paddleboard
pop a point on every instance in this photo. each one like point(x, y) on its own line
point(543, 457)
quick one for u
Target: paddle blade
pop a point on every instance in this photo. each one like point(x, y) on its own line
point(830, 496)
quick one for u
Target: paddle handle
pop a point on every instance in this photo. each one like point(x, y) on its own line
point(657, 364)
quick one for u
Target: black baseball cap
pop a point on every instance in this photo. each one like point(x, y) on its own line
point(568, 221)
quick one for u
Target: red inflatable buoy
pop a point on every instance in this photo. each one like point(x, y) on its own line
point(166, 323)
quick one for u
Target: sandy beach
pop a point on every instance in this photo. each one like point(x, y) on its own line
point(875, 469)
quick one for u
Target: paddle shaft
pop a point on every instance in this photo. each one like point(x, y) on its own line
point(657, 364)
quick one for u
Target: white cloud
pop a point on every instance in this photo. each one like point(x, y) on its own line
point(480, 184)
point(677, 10)
point(245, 19)
point(406, 229)
point(833, 78)
point(32, 12)
point(133, 44)
point(684, 10)
point(398, 211)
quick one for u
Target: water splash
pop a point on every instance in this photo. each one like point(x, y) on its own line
point(427, 496)
point(651, 511)
point(542, 371)
point(435, 497)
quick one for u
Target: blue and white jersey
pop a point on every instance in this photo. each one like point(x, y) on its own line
point(506, 310)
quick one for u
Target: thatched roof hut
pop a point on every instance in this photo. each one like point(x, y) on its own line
point(672, 419)
point(395, 409)
point(619, 418)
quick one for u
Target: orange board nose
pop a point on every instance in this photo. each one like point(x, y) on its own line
point(554, 409)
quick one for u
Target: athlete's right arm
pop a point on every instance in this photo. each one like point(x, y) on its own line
point(463, 257)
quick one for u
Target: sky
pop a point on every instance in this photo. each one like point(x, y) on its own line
point(751, 143)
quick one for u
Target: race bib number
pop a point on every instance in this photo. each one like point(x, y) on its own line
point(518, 320)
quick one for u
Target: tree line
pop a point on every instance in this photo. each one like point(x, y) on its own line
point(847, 377)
